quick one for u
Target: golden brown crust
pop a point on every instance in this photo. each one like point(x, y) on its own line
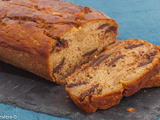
point(90, 105)
point(133, 87)
point(26, 61)
point(38, 20)
point(107, 101)
point(26, 38)
point(154, 82)
point(85, 106)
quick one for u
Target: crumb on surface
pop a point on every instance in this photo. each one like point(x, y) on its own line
point(67, 96)
point(131, 109)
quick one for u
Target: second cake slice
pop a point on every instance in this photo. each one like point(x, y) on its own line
point(119, 71)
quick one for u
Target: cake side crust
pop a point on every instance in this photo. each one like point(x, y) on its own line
point(98, 102)
point(136, 85)
point(154, 82)
point(28, 62)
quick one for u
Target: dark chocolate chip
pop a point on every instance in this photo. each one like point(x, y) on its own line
point(23, 19)
point(87, 10)
point(145, 62)
point(147, 55)
point(111, 43)
point(77, 84)
point(114, 60)
point(96, 60)
point(89, 92)
point(57, 38)
point(53, 48)
point(37, 7)
point(103, 26)
point(133, 46)
point(154, 53)
point(99, 91)
point(150, 57)
point(64, 43)
point(83, 95)
point(56, 69)
point(61, 42)
point(90, 52)
point(101, 60)
point(112, 28)
point(16, 18)
point(92, 63)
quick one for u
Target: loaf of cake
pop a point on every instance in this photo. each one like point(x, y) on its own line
point(121, 70)
point(51, 38)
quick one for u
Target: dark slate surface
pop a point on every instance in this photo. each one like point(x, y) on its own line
point(136, 19)
point(28, 91)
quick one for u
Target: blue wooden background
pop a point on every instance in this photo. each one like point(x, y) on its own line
point(136, 19)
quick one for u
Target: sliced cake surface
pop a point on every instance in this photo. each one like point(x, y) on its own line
point(121, 70)
point(52, 38)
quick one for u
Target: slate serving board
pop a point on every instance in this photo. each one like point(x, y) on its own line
point(26, 90)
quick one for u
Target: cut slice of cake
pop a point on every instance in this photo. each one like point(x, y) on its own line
point(119, 71)
point(51, 38)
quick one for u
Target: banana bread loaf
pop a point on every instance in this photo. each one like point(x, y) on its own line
point(52, 38)
point(119, 71)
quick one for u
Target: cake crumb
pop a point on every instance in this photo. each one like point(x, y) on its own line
point(66, 100)
point(149, 95)
point(144, 90)
point(67, 96)
point(131, 109)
